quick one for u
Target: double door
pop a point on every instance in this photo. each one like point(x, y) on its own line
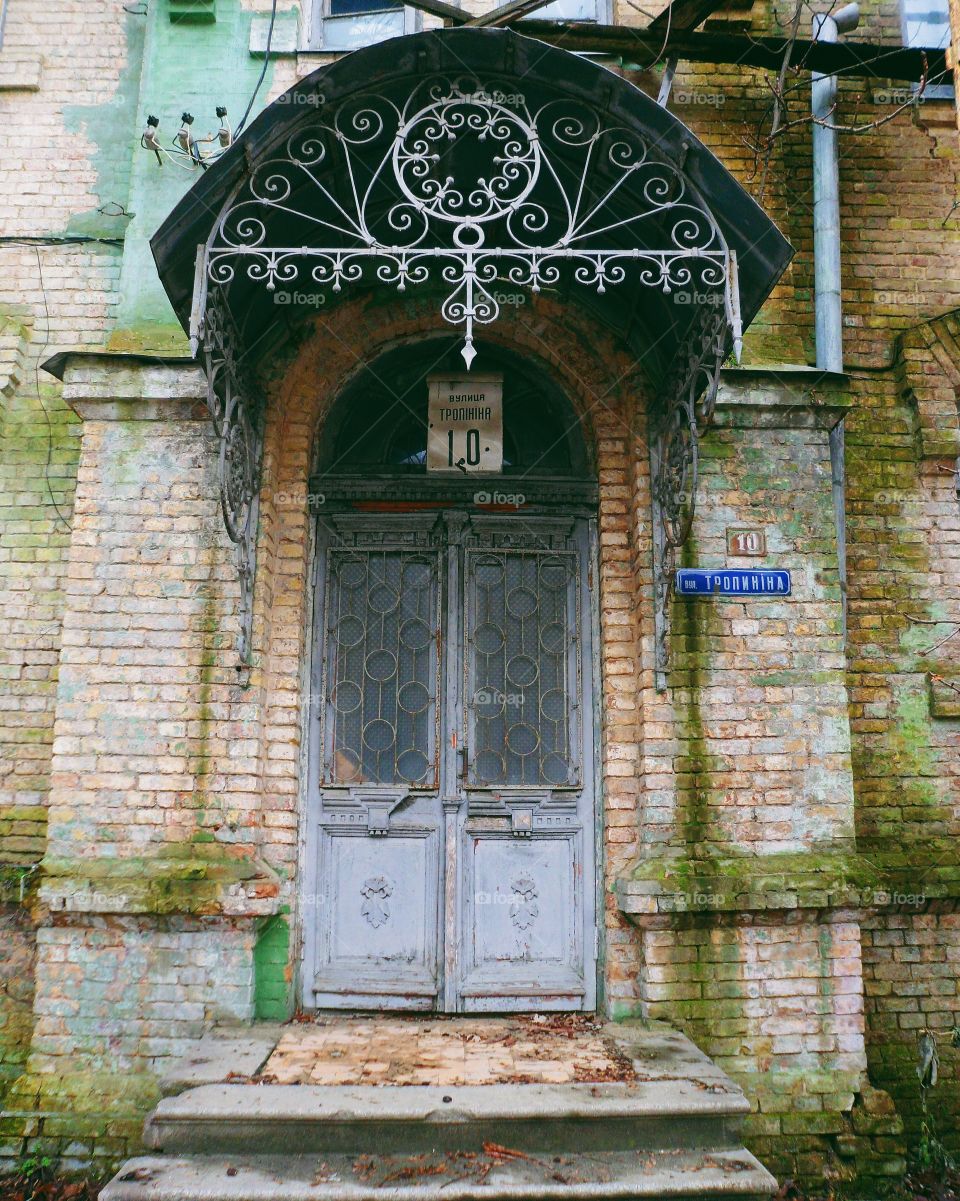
point(450, 833)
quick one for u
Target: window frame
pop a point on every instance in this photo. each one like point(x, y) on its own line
point(604, 13)
point(933, 91)
point(321, 16)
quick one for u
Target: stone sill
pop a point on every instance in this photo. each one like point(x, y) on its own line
point(936, 113)
point(235, 901)
point(201, 885)
point(104, 386)
point(939, 445)
point(784, 882)
point(19, 74)
point(781, 396)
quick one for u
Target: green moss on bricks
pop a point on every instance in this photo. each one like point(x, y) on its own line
point(714, 882)
point(732, 882)
point(105, 1109)
point(905, 773)
point(689, 626)
point(272, 971)
point(186, 878)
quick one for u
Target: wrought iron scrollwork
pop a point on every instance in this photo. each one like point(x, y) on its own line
point(690, 397)
point(236, 412)
point(464, 178)
point(468, 182)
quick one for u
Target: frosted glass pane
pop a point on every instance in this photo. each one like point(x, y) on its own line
point(350, 33)
point(567, 10)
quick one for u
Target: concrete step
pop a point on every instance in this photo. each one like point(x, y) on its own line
point(672, 1132)
point(487, 1175)
point(645, 1115)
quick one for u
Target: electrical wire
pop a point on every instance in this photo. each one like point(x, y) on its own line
point(42, 354)
point(263, 73)
point(53, 240)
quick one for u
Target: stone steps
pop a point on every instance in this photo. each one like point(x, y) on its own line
point(607, 1175)
point(673, 1132)
point(642, 1116)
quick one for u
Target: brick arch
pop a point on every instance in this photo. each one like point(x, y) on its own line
point(603, 386)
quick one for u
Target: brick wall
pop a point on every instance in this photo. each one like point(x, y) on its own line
point(163, 751)
point(127, 994)
point(911, 963)
point(756, 752)
point(57, 288)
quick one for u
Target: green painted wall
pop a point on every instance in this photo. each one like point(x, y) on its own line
point(271, 966)
point(186, 67)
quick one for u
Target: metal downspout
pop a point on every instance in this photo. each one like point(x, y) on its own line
point(826, 256)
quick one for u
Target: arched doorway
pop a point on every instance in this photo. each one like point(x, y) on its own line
point(451, 803)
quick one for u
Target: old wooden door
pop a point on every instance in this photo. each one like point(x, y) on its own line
point(450, 848)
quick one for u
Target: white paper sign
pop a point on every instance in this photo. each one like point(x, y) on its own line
point(465, 424)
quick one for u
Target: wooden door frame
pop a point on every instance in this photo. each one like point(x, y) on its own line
point(573, 498)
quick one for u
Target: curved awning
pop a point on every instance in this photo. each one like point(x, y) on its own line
point(467, 158)
point(465, 162)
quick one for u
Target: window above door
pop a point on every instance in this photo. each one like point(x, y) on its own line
point(338, 26)
point(341, 25)
point(380, 425)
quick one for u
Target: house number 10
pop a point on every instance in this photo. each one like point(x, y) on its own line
point(746, 542)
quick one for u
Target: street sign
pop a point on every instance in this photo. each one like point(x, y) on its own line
point(465, 424)
point(732, 581)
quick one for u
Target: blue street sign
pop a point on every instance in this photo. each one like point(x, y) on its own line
point(732, 581)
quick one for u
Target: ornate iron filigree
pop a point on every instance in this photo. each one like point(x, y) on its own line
point(675, 429)
point(463, 182)
point(463, 176)
point(236, 413)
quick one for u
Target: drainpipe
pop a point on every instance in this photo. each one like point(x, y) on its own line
point(826, 257)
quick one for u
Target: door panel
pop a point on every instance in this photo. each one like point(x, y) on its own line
point(522, 934)
point(526, 894)
point(378, 943)
point(451, 840)
point(522, 638)
point(381, 667)
point(374, 841)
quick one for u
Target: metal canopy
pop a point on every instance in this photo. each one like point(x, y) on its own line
point(465, 163)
